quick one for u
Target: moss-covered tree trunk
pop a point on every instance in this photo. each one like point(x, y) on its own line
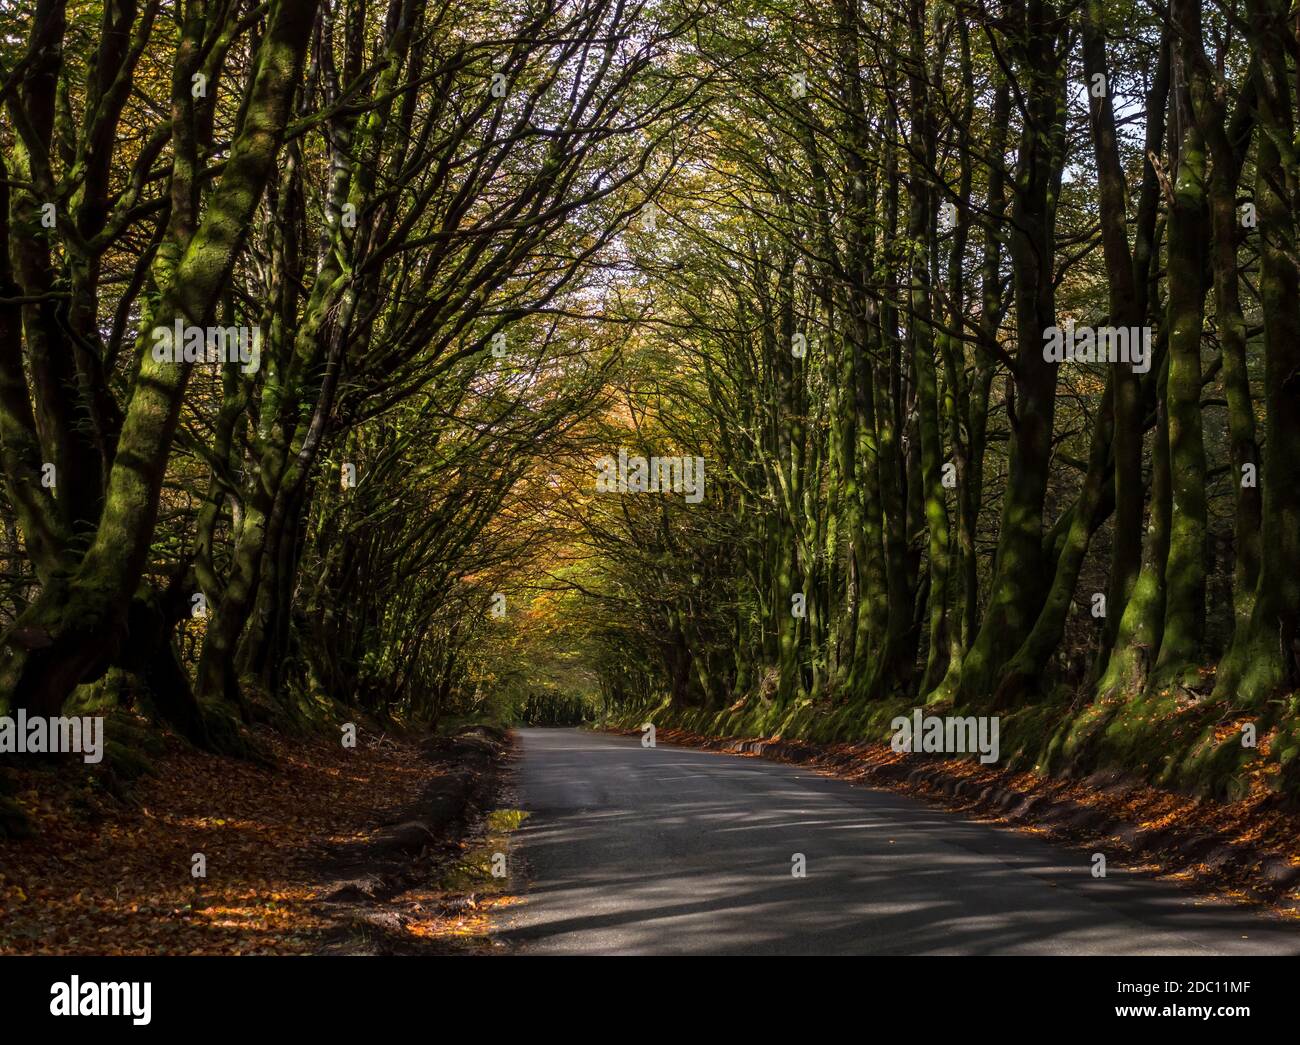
point(1138, 636)
point(1267, 660)
point(1182, 643)
point(920, 240)
point(1020, 578)
point(67, 636)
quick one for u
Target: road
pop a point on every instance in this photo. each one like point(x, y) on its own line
point(667, 850)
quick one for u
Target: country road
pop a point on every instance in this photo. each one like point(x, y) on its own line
point(669, 850)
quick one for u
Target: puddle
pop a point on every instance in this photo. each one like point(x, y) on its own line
point(483, 867)
point(507, 819)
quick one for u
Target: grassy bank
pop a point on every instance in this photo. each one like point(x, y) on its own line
point(1199, 748)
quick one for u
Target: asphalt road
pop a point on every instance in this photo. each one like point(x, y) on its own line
point(633, 850)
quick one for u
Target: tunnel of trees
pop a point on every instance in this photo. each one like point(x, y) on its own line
point(825, 247)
